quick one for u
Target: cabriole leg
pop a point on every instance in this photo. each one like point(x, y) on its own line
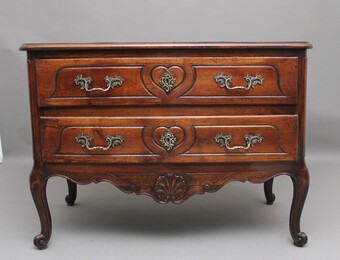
point(301, 184)
point(38, 190)
point(72, 193)
point(268, 191)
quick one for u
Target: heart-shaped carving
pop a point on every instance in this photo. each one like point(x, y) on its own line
point(167, 78)
point(168, 138)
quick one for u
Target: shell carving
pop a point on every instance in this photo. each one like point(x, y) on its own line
point(170, 187)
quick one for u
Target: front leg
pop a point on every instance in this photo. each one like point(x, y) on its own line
point(301, 184)
point(38, 189)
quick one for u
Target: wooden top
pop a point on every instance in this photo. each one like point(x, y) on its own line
point(163, 45)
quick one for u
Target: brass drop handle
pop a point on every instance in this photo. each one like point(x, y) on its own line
point(85, 82)
point(225, 141)
point(112, 141)
point(225, 80)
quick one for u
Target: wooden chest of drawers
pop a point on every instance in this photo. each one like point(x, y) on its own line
point(168, 120)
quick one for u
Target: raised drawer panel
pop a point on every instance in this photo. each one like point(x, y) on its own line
point(240, 81)
point(100, 82)
point(169, 139)
point(105, 140)
point(167, 81)
point(235, 140)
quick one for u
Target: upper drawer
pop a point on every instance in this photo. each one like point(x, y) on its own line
point(150, 81)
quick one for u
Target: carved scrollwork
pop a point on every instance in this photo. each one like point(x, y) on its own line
point(175, 187)
point(170, 187)
point(225, 80)
point(225, 141)
point(85, 82)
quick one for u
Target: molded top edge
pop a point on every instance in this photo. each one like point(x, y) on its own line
point(163, 45)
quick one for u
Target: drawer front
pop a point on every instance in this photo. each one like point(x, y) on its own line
point(169, 139)
point(150, 81)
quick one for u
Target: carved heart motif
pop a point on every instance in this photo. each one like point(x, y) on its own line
point(168, 138)
point(167, 78)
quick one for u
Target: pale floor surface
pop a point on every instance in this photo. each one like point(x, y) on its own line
point(234, 223)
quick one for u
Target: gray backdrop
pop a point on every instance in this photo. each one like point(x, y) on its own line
point(187, 20)
point(108, 222)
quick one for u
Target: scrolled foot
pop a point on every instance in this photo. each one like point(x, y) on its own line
point(69, 200)
point(270, 199)
point(301, 239)
point(40, 241)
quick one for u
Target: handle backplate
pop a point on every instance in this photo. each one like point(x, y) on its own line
point(225, 141)
point(225, 80)
point(112, 142)
point(85, 82)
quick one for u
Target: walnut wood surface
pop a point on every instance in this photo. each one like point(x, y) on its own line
point(167, 112)
point(164, 45)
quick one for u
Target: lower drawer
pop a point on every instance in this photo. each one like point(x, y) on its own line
point(169, 139)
